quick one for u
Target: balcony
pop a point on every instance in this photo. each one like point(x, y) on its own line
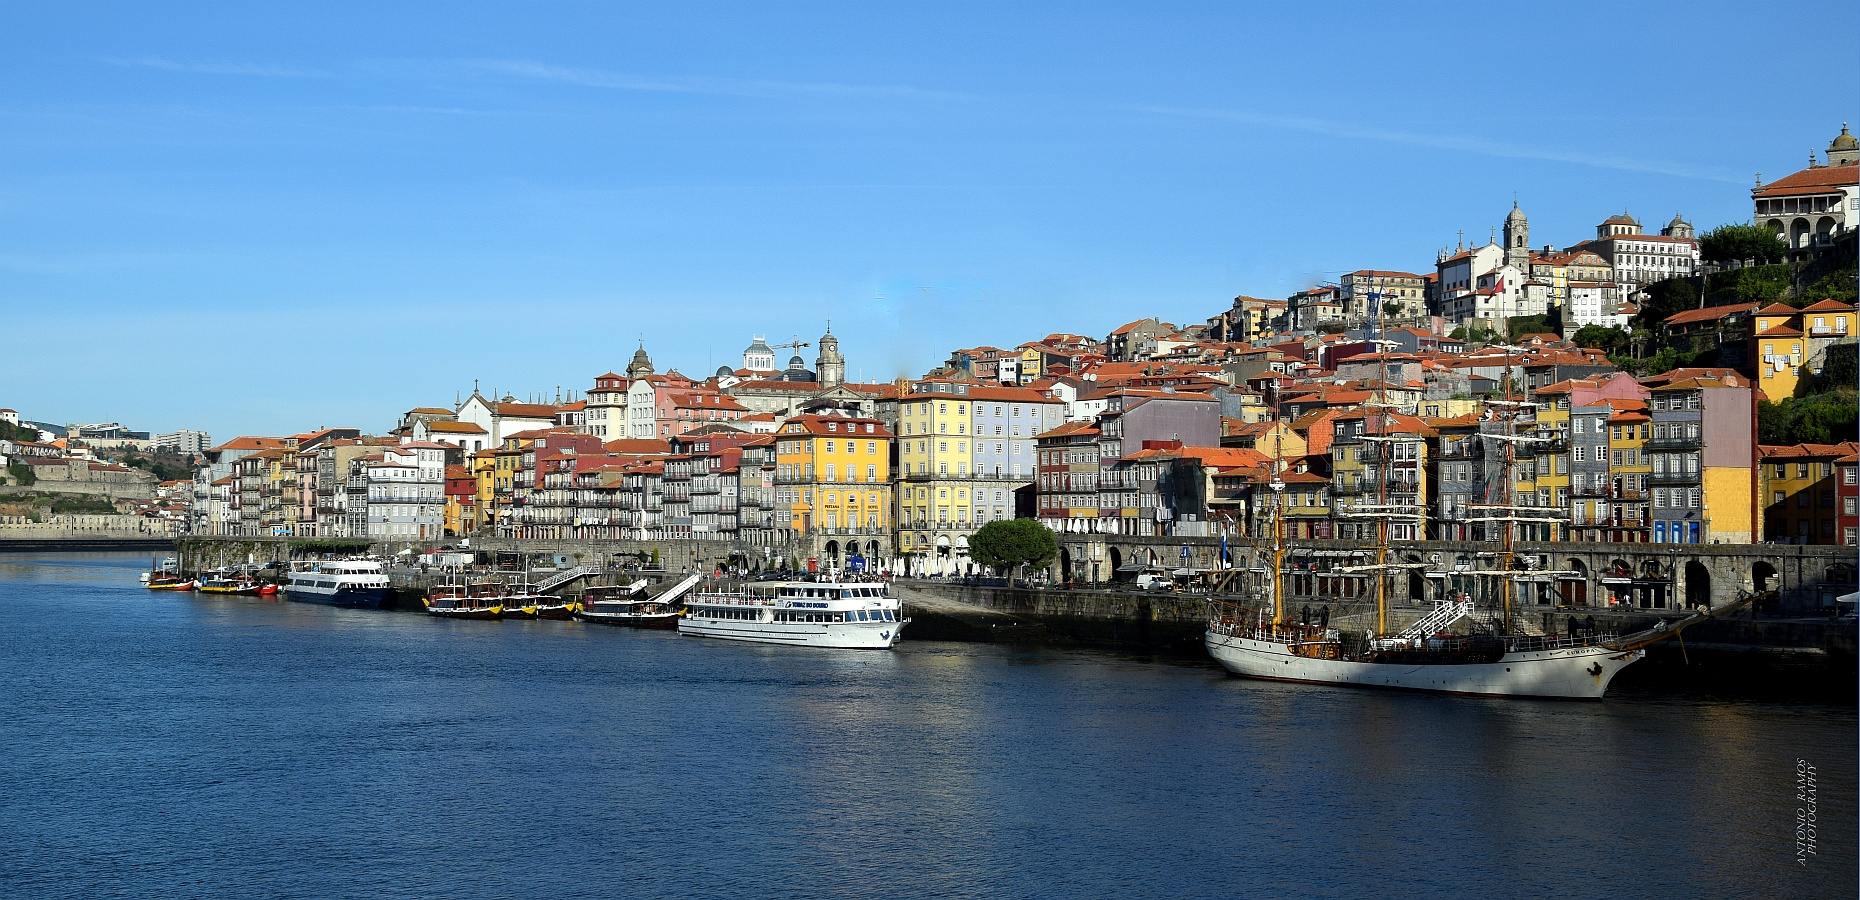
point(1673, 443)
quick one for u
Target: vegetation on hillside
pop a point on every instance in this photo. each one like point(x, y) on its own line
point(164, 466)
point(11, 432)
point(1742, 242)
point(21, 474)
point(1829, 417)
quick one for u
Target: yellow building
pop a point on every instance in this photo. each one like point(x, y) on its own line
point(1790, 345)
point(833, 487)
point(1550, 468)
point(1630, 468)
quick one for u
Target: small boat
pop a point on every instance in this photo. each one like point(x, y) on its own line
point(558, 610)
point(173, 583)
point(221, 581)
point(456, 599)
point(267, 590)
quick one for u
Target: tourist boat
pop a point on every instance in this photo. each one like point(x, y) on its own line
point(1492, 658)
point(628, 605)
point(461, 608)
point(339, 582)
point(845, 615)
point(466, 599)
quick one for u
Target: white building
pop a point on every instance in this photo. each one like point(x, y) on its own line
point(405, 490)
point(1594, 303)
point(183, 442)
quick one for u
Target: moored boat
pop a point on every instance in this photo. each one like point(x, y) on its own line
point(340, 582)
point(827, 614)
point(630, 606)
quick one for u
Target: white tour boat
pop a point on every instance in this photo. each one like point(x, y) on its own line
point(855, 615)
point(340, 582)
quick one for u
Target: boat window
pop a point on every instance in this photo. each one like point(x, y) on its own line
point(846, 594)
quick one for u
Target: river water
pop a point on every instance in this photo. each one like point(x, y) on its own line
point(182, 745)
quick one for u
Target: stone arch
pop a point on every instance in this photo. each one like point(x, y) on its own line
point(1651, 569)
point(1763, 577)
point(1840, 573)
point(1620, 567)
point(1117, 561)
point(1798, 233)
point(1698, 585)
point(833, 550)
point(1824, 228)
point(1065, 564)
point(1573, 588)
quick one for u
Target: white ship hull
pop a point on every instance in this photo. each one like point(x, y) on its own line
point(1580, 673)
point(832, 636)
point(825, 614)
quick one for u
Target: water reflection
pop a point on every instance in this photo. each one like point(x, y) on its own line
point(238, 745)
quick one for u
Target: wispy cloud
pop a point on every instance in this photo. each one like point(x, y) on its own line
point(216, 68)
point(735, 87)
point(1453, 142)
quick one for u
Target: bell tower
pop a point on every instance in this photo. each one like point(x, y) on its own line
point(1517, 239)
point(830, 366)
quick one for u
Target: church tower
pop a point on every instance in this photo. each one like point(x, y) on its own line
point(830, 366)
point(641, 364)
point(1517, 239)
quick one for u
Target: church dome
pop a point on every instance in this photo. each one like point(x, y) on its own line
point(759, 346)
point(1845, 141)
point(723, 371)
point(1516, 215)
point(641, 364)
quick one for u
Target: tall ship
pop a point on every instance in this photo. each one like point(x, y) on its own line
point(839, 615)
point(1490, 657)
point(339, 582)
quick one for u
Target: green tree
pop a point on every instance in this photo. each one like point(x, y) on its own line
point(1601, 337)
point(1825, 418)
point(22, 474)
point(1835, 286)
point(1013, 542)
point(1740, 242)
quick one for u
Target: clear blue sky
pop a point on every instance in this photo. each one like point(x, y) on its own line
point(261, 218)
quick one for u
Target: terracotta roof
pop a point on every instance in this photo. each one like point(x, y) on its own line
point(1779, 331)
point(253, 443)
point(1829, 306)
point(1818, 180)
point(444, 427)
point(1805, 451)
point(1778, 309)
point(1070, 428)
point(1709, 313)
point(524, 410)
point(430, 410)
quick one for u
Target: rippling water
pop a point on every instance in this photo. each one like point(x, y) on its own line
point(163, 744)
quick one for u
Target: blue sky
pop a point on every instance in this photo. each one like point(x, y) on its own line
point(264, 218)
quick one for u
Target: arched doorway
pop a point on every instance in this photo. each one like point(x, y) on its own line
point(1698, 585)
point(1763, 577)
point(1065, 565)
point(1117, 562)
point(1573, 587)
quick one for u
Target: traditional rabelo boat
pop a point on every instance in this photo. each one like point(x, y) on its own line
point(1492, 657)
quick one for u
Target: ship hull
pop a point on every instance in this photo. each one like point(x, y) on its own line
point(1575, 673)
point(361, 598)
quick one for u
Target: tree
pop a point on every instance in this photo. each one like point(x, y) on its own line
point(1013, 542)
point(1824, 418)
point(1391, 309)
point(1740, 242)
point(1601, 337)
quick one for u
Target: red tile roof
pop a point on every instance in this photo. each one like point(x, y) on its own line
point(1818, 180)
point(1709, 313)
